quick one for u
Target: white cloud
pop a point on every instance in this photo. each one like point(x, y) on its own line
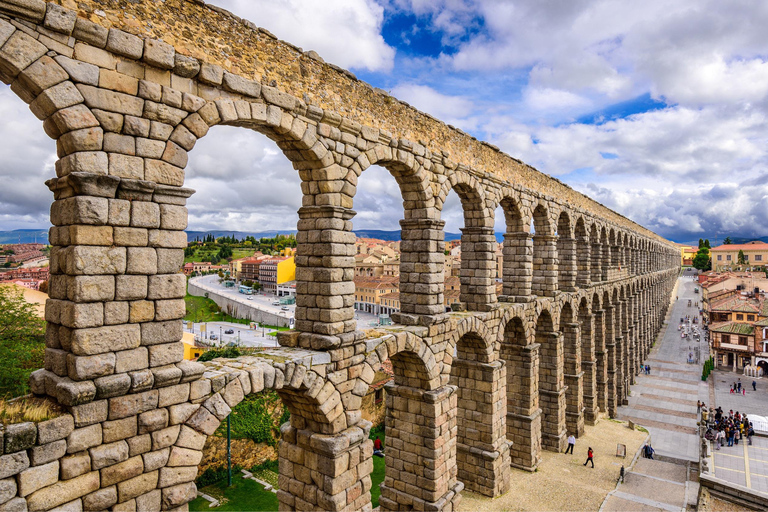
point(344, 32)
point(450, 109)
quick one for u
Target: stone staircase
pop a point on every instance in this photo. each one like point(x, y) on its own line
point(655, 485)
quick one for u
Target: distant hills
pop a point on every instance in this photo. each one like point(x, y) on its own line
point(24, 236)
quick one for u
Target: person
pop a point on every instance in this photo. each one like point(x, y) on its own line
point(378, 449)
point(590, 458)
point(750, 433)
point(738, 386)
point(744, 391)
point(698, 406)
point(571, 444)
point(649, 451)
point(754, 385)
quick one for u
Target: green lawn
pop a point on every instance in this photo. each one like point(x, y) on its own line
point(245, 494)
point(205, 255)
point(377, 475)
point(201, 309)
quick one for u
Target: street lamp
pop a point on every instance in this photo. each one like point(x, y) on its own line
point(238, 337)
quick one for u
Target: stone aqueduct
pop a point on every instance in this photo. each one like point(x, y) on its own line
point(126, 89)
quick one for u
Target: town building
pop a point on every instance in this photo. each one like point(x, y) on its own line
point(369, 292)
point(727, 256)
point(687, 253)
point(738, 321)
point(274, 271)
point(37, 273)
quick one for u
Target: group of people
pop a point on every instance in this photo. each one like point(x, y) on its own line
point(736, 388)
point(728, 428)
point(590, 453)
point(646, 369)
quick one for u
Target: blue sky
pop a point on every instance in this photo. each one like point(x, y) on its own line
point(655, 109)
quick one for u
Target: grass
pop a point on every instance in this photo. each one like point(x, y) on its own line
point(202, 309)
point(245, 494)
point(379, 466)
point(28, 409)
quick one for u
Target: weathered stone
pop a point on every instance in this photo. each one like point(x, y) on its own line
point(211, 74)
point(159, 54)
point(173, 395)
point(28, 9)
point(132, 405)
point(163, 172)
point(189, 438)
point(185, 67)
point(166, 353)
point(90, 367)
point(88, 414)
point(169, 309)
point(166, 286)
point(59, 19)
point(75, 465)
point(142, 380)
point(132, 360)
point(117, 430)
point(78, 71)
point(153, 420)
point(178, 495)
point(142, 311)
point(138, 445)
point(123, 43)
point(156, 459)
point(63, 492)
point(233, 393)
point(105, 339)
point(112, 385)
point(91, 288)
point(41, 75)
point(141, 260)
point(90, 32)
point(45, 453)
point(165, 437)
point(204, 421)
point(18, 52)
point(7, 489)
point(149, 501)
point(101, 499)
point(69, 392)
point(181, 412)
point(86, 260)
point(124, 165)
point(37, 477)
point(111, 101)
point(59, 97)
point(108, 454)
point(177, 475)
point(137, 486)
point(20, 436)
point(115, 313)
point(14, 505)
point(83, 438)
point(13, 463)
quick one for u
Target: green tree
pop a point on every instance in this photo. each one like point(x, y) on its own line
point(740, 258)
point(22, 342)
point(727, 241)
point(702, 261)
point(706, 243)
point(701, 243)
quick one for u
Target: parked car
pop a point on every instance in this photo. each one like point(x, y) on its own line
point(284, 308)
point(276, 303)
point(213, 337)
point(249, 297)
point(229, 331)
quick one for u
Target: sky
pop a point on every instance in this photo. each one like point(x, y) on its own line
point(655, 109)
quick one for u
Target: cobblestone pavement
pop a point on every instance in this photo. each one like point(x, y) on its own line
point(664, 402)
point(651, 485)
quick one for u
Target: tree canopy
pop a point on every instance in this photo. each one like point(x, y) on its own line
point(22, 342)
point(702, 261)
point(727, 241)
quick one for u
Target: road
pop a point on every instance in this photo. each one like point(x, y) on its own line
point(264, 301)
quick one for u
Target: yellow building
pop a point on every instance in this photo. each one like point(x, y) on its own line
point(727, 256)
point(276, 271)
point(687, 253)
point(190, 350)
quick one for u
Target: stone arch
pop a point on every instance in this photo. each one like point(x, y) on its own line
point(566, 253)
point(573, 375)
point(605, 254)
point(482, 448)
point(545, 262)
point(551, 382)
point(588, 361)
point(478, 259)
point(518, 249)
point(583, 252)
point(523, 413)
point(596, 252)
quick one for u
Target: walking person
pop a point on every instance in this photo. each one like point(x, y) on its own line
point(738, 389)
point(648, 451)
point(590, 458)
point(571, 444)
point(754, 385)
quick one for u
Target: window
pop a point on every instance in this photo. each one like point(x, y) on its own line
point(750, 318)
point(379, 395)
point(758, 257)
point(719, 257)
point(739, 317)
point(725, 338)
point(728, 257)
point(743, 340)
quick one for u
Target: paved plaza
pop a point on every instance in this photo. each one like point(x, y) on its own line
point(664, 401)
point(743, 464)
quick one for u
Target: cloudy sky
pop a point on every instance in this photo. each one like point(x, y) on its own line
point(656, 109)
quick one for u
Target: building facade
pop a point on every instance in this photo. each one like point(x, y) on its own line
point(727, 256)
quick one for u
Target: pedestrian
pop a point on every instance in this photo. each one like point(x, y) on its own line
point(571, 444)
point(378, 449)
point(754, 385)
point(738, 386)
point(590, 458)
point(744, 392)
point(698, 406)
point(648, 451)
point(750, 433)
point(648, 367)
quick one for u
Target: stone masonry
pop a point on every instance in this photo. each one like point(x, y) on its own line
point(126, 89)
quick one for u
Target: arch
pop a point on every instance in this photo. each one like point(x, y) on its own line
point(517, 253)
point(566, 254)
point(588, 362)
point(583, 253)
point(481, 410)
point(573, 376)
point(545, 262)
point(596, 253)
point(551, 383)
point(523, 415)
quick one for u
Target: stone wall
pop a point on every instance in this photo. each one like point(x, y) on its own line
point(126, 89)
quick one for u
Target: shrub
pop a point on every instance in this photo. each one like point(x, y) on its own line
point(228, 352)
